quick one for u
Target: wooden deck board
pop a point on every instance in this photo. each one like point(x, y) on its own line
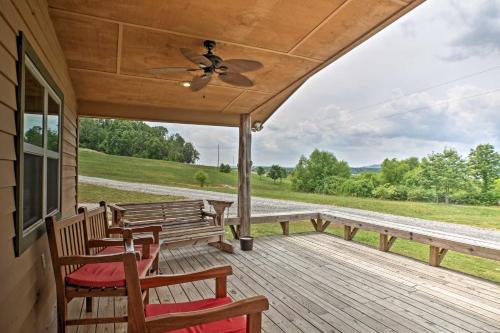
point(320, 283)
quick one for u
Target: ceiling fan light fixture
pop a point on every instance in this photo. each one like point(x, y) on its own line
point(186, 84)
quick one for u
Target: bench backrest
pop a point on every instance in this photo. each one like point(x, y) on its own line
point(183, 211)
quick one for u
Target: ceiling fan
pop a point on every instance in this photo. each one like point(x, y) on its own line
point(228, 71)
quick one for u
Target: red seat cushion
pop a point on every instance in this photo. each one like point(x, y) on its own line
point(109, 275)
point(231, 325)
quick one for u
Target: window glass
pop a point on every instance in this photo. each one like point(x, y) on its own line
point(33, 189)
point(52, 184)
point(53, 125)
point(33, 110)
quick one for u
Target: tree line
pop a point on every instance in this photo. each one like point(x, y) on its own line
point(440, 177)
point(135, 138)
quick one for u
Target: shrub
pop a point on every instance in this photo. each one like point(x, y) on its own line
point(201, 177)
point(384, 191)
point(421, 194)
point(225, 168)
point(332, 185)
point(357, 187)
point(475, 198)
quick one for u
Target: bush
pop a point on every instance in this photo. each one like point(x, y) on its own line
point(332, 185)
point(225, 168)
point(384, 191)
point(475, 198)
point(201, 177)
point(357, 187)
point(421, 194)
point(391, 192)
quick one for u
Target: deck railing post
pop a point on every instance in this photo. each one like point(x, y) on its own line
point(244, 173)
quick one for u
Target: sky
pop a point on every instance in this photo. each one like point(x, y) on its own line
point(429, 81)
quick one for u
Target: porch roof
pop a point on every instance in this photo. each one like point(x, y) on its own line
point(111, 45)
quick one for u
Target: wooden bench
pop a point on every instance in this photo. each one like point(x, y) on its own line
point(184, 222)
point(439, 242)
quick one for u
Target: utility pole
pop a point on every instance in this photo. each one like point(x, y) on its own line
point(218, 155)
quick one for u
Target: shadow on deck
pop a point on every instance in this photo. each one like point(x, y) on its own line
point(319, 283)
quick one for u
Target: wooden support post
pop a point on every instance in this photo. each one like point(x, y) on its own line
point(325, 224)
point(244, 172)
point(349, 232)
point(319, 224)
point(436, 255)
point(385, 242)
point(285, 227)
point(315, 225)
point(234, 232)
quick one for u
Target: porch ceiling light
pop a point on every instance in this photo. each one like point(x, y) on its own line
point(186, 84)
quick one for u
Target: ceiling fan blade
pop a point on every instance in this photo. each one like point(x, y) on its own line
point(200, 81)
point(242, 65)
point(236, 79)
point(172, 70)
point(196, 58)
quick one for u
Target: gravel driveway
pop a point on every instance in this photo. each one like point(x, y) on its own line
point(265, 205)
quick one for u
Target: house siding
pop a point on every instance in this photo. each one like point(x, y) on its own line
point(27, 291)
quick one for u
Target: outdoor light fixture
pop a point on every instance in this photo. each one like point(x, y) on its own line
point(257, 126)
point(186, 84)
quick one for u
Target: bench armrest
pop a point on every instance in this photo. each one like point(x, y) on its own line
point(93, 259)
point(104, 242)
point(154, 229)
point(117, 208)
point(220, 272)
point(252, 307)
point(205, 213)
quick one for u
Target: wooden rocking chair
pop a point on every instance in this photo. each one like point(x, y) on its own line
point(219, 314)
point(81, 271)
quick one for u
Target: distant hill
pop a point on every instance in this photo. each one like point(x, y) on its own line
point(369, 168)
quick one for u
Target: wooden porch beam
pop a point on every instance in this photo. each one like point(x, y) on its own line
point(244, 173)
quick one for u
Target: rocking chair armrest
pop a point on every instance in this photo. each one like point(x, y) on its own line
point(92, 259)
point(250, 306)
point(217, 272)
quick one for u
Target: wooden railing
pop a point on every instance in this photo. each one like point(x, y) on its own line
point(439, 242)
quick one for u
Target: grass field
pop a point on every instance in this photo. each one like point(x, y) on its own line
point(484, 268)
point(140, 170)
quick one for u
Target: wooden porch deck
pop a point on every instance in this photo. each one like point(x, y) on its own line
point(319, 283)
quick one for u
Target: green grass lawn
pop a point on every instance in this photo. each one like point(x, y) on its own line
point(93, 194)
point(141, 170)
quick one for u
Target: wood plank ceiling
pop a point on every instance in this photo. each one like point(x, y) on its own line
point(111, 45)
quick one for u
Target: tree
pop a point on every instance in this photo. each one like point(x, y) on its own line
point(393, 171)
point(260, 171)
point(310, 173)
point(484, 165)
point(445, 172)
point(275, 172)
point(201, 177)
point(135, 138)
